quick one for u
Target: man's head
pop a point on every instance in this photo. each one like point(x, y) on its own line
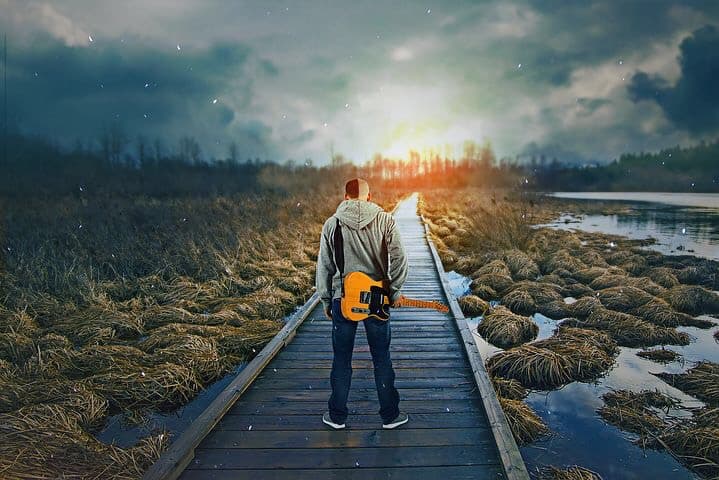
point(357, 188)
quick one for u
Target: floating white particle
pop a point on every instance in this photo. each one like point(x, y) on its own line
point(325, 124)
point(81, 188)
point(447, 409)
point(89, 37)
point(162, 435)
point(79, 226)
point(147, 85)
point(684, 231)
point(298, 204)
point(274, 370)
point(284, 115)
point(214, 100)
point(519, 65)
point(178, 47)
point(144, 115)
point(429, 10)
point(621, 62)
point(142, 373)
point(356, 464)
point(249, 428)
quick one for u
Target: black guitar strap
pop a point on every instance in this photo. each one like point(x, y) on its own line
point(339, 254)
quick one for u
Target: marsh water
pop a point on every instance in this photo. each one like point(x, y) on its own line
point(681, 223)
point(579, 435)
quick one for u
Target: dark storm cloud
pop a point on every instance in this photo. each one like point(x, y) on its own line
point(294, 78)
point(67, 91)
point(693, 102)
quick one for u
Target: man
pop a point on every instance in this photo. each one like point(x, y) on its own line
point(369, 237)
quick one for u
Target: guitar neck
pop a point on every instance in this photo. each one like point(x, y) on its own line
point(411, 302)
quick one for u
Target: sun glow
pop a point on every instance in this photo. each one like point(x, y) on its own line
point(420, 118)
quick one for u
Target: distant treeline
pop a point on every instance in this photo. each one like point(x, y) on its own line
point(35, 166)
point(38, 167)
point(676, 169)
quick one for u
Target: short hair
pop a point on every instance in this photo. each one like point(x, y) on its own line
point(357, 188)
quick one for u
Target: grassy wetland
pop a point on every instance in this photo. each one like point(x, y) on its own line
point(600, 346)
point(125, 306)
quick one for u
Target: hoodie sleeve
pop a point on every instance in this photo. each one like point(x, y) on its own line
point(397, 260)
point(325, 268)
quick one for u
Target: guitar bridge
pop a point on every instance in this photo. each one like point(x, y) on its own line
point(360, 310)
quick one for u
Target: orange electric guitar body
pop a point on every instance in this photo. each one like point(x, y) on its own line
point(364, 297)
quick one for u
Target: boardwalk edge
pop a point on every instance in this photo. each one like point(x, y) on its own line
point(512, 462)
point(181, 452)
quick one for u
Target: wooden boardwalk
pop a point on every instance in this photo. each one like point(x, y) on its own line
point(268, 423)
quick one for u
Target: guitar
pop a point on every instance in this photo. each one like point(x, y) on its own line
point(364, 297)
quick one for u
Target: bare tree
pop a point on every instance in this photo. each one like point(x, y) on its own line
point(234, 152)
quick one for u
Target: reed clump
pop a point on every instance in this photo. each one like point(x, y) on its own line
point(692, 299)
point(505, 329)
point(570, 355)
point(634, 411)
point(525, 424)
point(573, 472)
point(472, 305)
point(701, 381)
point(509, 388)
point(631, 331)
point(660, 355)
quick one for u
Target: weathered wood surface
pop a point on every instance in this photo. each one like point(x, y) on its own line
point(272, 428)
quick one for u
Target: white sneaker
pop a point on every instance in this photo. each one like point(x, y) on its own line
point(401, 419)
point(328, 421)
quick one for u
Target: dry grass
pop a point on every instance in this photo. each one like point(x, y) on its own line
point(499, 283)
point(505, 329)
point(526, 425)
point(137, 312)
point(631, 331)
point(573, 472)
point(692, 299)
point(623, 299)
point(634, 412)
point(570, 355)
point(701, 381)
point(509, 388)
point(472, 305)
point(660, 355)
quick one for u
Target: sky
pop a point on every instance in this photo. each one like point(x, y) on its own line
point(581, 81)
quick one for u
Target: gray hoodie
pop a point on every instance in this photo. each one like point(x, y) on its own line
point(363, 224)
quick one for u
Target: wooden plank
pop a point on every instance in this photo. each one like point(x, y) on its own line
point(457, 393)
point(365, 355)
point(355, 407)
point(290, 383)
point(454, 472)
point(514, 467)
point(366, 373)
point(361, 364)
point(382, 457)
point(436, 420)
point(179, 454)
point(408, 437)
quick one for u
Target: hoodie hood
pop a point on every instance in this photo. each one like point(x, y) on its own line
point(356, 214)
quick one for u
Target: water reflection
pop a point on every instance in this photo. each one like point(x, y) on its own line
point(677, 229)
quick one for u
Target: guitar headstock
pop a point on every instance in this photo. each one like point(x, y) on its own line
point(440, 306)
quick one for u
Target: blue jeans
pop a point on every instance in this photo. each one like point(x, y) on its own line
point(343, 340)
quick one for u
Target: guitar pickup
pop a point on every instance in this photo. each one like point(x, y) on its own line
point(365, 297)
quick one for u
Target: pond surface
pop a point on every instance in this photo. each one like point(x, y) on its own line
point(682, 223)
